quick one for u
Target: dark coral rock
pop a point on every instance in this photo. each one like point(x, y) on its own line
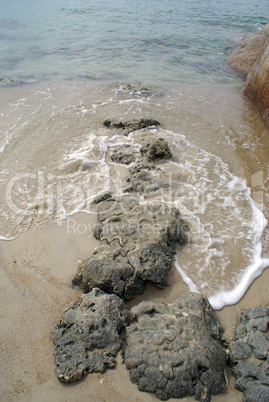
point(137, 245)
point(249, 354)
point(102, 197)
point(156, 148)
point(136, 89)
point(86, 337)
point(124, 155)
point(145, 174)
point(142, 178)
point(174, 350)
point(127, 126)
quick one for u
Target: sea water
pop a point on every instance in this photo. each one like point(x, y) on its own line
point(145, 40)
point(65, 68)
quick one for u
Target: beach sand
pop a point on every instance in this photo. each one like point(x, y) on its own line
point(36, 271)
point(37, 268)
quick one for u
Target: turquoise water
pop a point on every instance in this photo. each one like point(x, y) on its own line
point(152, 41)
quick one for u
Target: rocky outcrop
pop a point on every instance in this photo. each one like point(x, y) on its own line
point(252, 60)
point(257, 85)
point(137, 245)
point(86, 337)
point(174, 350)
point(249, 354)
point(125, 127)
point(142, 174)
point(137, 239)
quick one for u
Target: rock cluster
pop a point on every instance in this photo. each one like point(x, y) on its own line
point(137, 245)
point(249, 354)
point(173, 350)
point(252, 60)
point(137, 239)
point(86, 337)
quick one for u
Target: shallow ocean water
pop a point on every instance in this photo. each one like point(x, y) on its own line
point(64, 70)
point(150, 41)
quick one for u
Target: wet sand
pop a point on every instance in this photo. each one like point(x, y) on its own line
point(36, 269)
point(36, 272)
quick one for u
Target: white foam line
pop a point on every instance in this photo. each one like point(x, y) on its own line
point(3, 238)
point(132, 100)
point(226, 298)
point(185, 277)
point(232, 297)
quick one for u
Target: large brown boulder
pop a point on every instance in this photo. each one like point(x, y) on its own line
point(252, 60)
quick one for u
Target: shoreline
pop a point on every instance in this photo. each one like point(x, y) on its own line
point(37, 268)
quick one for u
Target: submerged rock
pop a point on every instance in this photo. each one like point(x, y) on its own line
point(127, 126)
point(252, 60)
point(142, 177)
point(151, 148)
point(142, 173)
point(86, 338)
point(123, 154)
point(137, 245)
point(154, 148)
point(249, 354)
point(174, 350)
point(136, 88)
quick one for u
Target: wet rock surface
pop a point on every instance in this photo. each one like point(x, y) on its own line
point(125, 127)
point(251, 59)
point(249, 354)
point(124, 155)
point(86, 337)
point(136, 88)
point(144, 172)
point(257, 85)
point(174, 350)
point(151, 148)
point(154, 148)
point(245, 56)
point(137, 245)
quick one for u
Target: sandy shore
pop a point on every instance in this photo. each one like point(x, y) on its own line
point(36, 271)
